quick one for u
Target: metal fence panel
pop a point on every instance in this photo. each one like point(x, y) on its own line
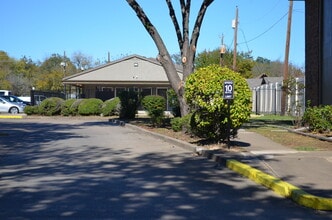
point(266, 99)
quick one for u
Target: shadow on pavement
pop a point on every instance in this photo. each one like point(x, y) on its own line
point(40, 180)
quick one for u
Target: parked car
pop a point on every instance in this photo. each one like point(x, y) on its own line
point(11, 107)
point(5, 92)
point(13, 98)
point(38, 99)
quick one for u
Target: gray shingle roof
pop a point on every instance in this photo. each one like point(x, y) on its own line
point(129, 69)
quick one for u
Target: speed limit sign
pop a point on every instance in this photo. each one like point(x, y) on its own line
point(228, 89)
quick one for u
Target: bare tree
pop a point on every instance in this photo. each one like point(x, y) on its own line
point(81, 61)
point(187, 46)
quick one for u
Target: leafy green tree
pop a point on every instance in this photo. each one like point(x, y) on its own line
point(51, 72)
point(274, 68)
point(6, 64)
point(23, 76)
point(245, 62)
point(204, 93)
point(207, 58)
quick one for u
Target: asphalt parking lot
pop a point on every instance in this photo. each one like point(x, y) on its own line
point(88, 169)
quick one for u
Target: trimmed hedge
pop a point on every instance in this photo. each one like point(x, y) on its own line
point(111, 107)
point(155, 105)
point(51, 106)
point(31, 110)
point(90, 106)
point(66, 109)
point(74, 107)
point(181, 123)
point(318, 118)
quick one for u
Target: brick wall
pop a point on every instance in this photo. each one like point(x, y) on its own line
point(313, 53)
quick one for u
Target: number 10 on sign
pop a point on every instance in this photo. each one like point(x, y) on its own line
point(228, 89)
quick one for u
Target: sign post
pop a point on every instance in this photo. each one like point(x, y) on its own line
point(228, 95)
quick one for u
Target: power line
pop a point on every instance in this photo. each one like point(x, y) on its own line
point(267, 13)
point(244, 37)
point(272, 26)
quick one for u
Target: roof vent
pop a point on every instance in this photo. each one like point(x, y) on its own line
point(135, 64)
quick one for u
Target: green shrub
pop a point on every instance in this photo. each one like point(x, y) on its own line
point(204, 94)
point(90, 106)
point(129, 103)
point(31, 110)
point(111, 107)
point(173, 102)
point(181, 123)
point(155, 105)
point(318, 118)
point(66, 107)
point(51, 106)
point(74, 107)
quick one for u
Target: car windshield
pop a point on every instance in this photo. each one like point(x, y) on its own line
point(12, 99)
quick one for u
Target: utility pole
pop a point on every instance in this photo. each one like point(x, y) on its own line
point(286, 69)
point(64, 65)
point(234, 25)
point(222, 51)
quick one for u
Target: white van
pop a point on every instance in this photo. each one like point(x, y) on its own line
point(5, 92)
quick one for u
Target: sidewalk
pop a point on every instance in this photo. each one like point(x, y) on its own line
point(308, 170)
point(305, 177)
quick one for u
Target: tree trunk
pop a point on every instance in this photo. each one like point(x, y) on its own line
point(187, 48)
point(184, 107)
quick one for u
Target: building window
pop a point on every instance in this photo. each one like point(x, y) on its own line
point(146, 91)
point(163, 92)
point(133, 89)
point(107, 89)
point(118, 90)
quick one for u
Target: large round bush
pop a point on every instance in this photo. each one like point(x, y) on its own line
point(155, 105)
point(90, 106)
point(51, 106)
point(111, 107)
point(31, 110)
point(66, 107)
point(204, 93)
point(74, 107)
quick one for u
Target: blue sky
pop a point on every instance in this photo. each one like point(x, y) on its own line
point(39, 28)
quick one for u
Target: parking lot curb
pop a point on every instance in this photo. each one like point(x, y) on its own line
point(171, 140)
point(281, 187)
point(11, 116)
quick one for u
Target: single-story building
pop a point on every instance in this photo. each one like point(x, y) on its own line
point(147, 76)
point(131, 73)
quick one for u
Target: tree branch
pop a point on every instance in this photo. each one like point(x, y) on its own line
point(198, 23)
point(164, 57)
point(175, 23)
point(142, 16)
